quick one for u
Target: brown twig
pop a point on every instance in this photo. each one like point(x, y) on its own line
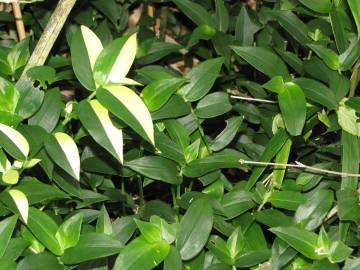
point(20, 27)
point(299, 165)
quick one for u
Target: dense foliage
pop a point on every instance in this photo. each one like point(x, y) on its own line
point(135, 146)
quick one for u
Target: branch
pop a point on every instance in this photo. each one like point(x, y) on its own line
point(19, 20)
point(49, 36)
point(254, 99)
point(299, 165)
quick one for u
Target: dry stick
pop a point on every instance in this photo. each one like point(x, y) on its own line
point(19, 20)
point(49, 36)
point(254, 99)
point(299, 165)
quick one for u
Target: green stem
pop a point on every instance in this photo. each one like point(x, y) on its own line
point(202, 134)
point(91, 96)
point(354, 79)
point(141, 192)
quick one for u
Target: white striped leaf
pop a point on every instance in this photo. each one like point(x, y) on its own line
point(128, 106)
point(13, 142)
point(85, 48)
point(64, 152)
point(95, 118)
point(21, 203)
point(115, 61)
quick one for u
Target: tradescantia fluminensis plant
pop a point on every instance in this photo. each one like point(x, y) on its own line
point(207, 135)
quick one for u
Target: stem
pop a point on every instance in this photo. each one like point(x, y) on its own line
point(141, 192)
point(254, 99)
point(354, 79)
point(49, 36)
point(90, 97)
point(19, 21)
point(202, 134)
point(163, 23)
point(299, 165)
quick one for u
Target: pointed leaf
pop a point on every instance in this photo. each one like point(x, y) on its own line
point(91, 246)
point(264, 60)
point(95, 118)
point(128, 106)
point(21, 203)
point(201, 79)
point(140, 254)
point(64, 152)
point(115, 60)
point(13, 142)
point(195, 228)
point(293, 108)
point(68, 233)
point(7, 227)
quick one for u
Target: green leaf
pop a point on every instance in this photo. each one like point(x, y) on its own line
point(30, 99)
point(303, 241)
point(227, 158)
point(195, 12)
point(157, 168)
point(175, 107)
point(91, 246)
point(338, 21)
point(273, 218)
point(21, 203)
point(95, 118)
point(222, 16)
point(9, 96)
point(348, 119)
point(228, 134)
point(195, 228)
point(264, 60)
point(219, 249)
point(312, 212)
point(85, 48)
point(317, 91)
point(43, 74)
point(235, 243)
point(290, 200)
point(251, 258)
point(282, 157)
point(13, 142)
point(7, 227)
point(150, 232)
point(293, 108)
point(41, 261)
point(202, 32)
point(140, 254)
point(236, 202)
point(348, 204)
point(272, 147)
point(114, 62)
point(158, 92)
point(44, 228)
point(127, 105)
point(349, 57)
point(330, 58)
point(201, 79)
point(103, 224)
point(68, 233)
point(213, 105)
point(37, 191)
point(18, 55)
point(245, 28)
point(339, 252)
point(355, 9)
point(48, 115)
point(151, 50)
point(173, 260)
point(321, 6)
point(64, 152)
